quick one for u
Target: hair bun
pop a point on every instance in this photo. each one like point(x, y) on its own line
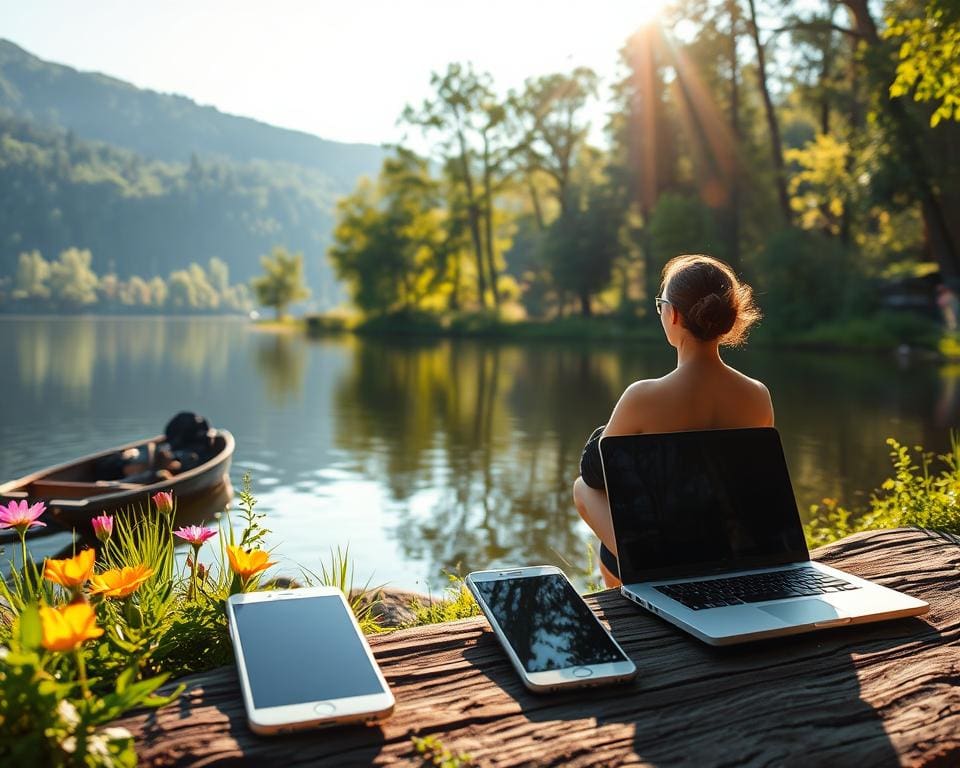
point(712, 315)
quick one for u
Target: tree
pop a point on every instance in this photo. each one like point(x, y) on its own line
point(182, 291)
point(33, 272)
point(158, 292)
point(583, 244)
point(73, 284)
point(550, 109)
point(390, 243)
point(219, 275)
point(929, 58)
point(283, 282)
point(458, 114)
point(773, 124)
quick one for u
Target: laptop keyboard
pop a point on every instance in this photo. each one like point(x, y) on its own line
point(754, 588)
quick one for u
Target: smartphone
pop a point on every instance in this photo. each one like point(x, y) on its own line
point(303, 661)
point(551, 636)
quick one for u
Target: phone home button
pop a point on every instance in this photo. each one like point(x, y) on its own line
point(324, 708)
point(582, 672)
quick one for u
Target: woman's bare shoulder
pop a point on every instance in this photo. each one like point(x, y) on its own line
point(760, 399)
point(629, 414)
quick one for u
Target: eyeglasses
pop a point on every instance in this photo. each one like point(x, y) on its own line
point(659, 302)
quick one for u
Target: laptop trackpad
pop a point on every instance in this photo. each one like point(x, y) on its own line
point(803, 611)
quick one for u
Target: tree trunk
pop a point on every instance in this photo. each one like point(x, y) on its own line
point(906, 134)
point(585, 308)
point(776, 145)
point(473, 214)
point(535, 199)
point(488, 220)
point(734, 222)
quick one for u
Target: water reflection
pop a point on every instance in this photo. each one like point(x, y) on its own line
point(425, 455)
point(281, 363)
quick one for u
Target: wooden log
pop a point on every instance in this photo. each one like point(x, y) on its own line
point(884, 694)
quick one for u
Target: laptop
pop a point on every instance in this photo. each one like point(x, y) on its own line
point(709, 538)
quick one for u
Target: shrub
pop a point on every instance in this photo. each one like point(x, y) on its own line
point(924, 492)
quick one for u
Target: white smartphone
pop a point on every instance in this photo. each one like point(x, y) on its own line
point(303, 661)
point(551, 636)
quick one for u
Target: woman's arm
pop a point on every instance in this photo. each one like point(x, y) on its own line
point(629, 412)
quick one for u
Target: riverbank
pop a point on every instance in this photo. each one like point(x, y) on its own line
point(901, 332)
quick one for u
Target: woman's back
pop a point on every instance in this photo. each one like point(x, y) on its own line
point(697, 395)
point(702, 305)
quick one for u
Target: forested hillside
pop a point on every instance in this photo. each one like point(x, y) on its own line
point(151, 183)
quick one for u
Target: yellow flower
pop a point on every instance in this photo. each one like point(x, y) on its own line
point(246, 564)
point(72, 572)
point(66, 628)
point(120, 582)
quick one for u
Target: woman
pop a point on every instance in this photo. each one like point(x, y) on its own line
point(701, 306)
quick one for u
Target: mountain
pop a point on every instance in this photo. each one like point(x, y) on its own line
point(150, 182)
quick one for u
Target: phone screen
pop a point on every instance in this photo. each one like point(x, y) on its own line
point(547, 623)
point(302, 649)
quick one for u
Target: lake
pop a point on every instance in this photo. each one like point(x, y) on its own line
point(428, 455)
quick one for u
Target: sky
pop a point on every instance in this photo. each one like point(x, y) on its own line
point(340, 70)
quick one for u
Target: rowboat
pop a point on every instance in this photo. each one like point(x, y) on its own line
point(74, 495)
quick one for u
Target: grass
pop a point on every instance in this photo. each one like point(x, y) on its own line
point(456, 603)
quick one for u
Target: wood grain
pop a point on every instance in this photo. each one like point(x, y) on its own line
point(884, 694)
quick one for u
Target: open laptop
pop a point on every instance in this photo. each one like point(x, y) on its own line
point(709, 538)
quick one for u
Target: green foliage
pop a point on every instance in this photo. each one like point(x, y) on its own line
point(145, 217)
point(682, 224)
point(45, 719)
point(806, 279)
point(924, 492)
point(392, 245)
point(33, 273)
point(583, 244)
point(283, 282)
point(433, 753)
point(456, 603)
point(929, 58)
point(878, 331)
point(73, 283)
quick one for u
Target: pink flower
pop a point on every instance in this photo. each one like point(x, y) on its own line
point(195, 534)
point(164, 501)
point(19, 516)
point(103, 527)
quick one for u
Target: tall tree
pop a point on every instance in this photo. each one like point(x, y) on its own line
point(281, 285)
point(943, 240)
point(773, 124)
point(456, 114)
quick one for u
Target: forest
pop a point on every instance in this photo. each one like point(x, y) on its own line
point(815, 147)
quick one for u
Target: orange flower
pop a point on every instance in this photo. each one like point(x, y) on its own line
point(66, 628)
point(246, 564)
point(120, 582)
point(72, 572)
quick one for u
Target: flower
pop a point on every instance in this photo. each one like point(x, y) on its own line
point(120, 582)
point(21, 517)
point(246, 564)
point(195, 534)
point(103, 527)
point(164, 501)
point(72, 572)
point(66, 627)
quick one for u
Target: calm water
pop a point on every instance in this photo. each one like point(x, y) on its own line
point(426, 455)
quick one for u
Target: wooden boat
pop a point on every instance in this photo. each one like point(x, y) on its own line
point(73, 495)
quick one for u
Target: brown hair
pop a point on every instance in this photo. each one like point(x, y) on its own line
point(711, 301)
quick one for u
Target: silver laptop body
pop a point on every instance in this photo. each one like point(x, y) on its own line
point(709, 538)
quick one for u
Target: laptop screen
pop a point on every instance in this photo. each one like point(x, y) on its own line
point(689, 503)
